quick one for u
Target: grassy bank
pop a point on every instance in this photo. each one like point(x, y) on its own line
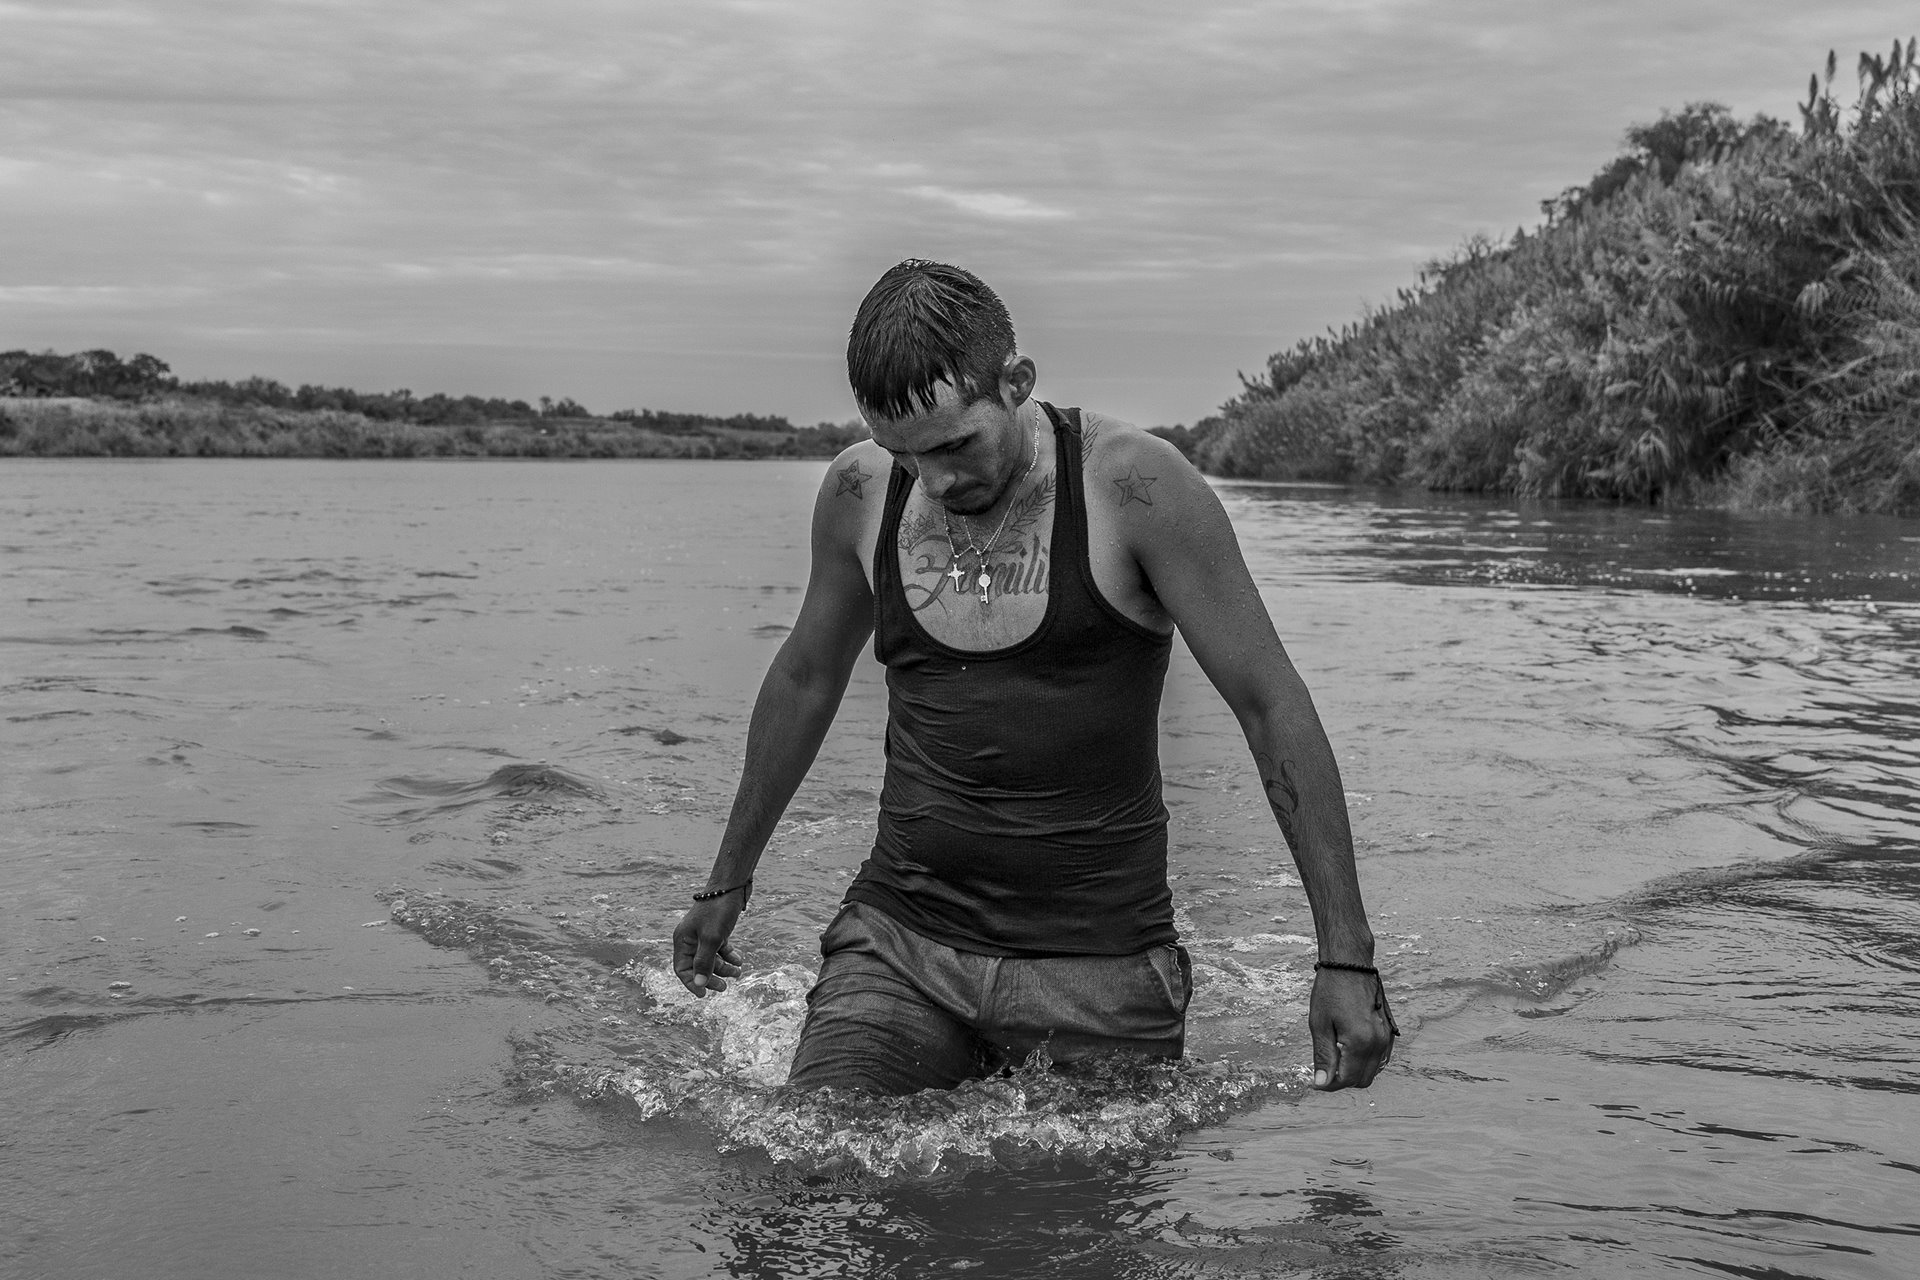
point(1729, 313)
point(184, 426)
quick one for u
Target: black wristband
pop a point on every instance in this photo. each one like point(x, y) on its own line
point(1367, 969)
point(710, 894)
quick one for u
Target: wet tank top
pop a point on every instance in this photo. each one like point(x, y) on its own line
point(1021, 811)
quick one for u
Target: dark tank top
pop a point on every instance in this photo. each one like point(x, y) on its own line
point(1021, 812)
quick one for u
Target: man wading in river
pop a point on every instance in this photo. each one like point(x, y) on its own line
point(1022, 569)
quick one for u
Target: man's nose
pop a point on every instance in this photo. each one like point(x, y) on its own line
point(935, 480)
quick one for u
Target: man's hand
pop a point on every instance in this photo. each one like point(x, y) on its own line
point(703, 958)
point(1352, 1028)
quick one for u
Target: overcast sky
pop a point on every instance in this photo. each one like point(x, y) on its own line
point(674, 205)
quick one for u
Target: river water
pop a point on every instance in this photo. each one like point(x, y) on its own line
point(348, 808)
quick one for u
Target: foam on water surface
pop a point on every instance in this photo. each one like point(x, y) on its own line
point(722, 1061)
point(1110, 1110)
point(639, 1039)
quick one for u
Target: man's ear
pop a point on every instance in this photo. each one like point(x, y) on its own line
point(1017, 379)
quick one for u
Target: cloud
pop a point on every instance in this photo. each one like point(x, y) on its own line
point(72, 12)
point(80, 296)
point(729, 176)
point(530, 266)
point(990, 204)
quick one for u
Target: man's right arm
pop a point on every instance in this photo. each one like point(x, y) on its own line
point(795, 707)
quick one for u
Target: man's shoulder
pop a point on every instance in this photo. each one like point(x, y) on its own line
point(1105, 438)
point(853, 493)
point(1130, 468)
point(1102, 430)
point(858, 475)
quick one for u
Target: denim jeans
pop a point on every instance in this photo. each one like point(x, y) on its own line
point(895, 1012)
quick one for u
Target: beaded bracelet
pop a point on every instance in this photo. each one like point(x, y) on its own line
point(710, 894)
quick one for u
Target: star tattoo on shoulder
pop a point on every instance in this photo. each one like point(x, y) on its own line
point(1134, 486)
point(851, 478)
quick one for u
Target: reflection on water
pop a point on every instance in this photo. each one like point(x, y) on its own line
point(983, 1224)
point(354, 804)
point(1426, 538)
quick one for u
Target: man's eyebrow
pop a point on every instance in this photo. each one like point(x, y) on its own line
point(962, 436)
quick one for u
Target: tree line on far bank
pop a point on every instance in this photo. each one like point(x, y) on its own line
point(93, 403)
point(1728, 313)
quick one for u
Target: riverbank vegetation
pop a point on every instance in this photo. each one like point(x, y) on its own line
point(1728, 313)
point(93, 404)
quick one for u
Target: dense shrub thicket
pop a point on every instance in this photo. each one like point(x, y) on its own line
point(1729, 312)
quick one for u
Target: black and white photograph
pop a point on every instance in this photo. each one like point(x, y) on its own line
point(1256, 640)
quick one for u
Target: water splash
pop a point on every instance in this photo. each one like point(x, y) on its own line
point(752, 1027)
point(1105, 1112)
point(642, 1041)
point(1102, 1112)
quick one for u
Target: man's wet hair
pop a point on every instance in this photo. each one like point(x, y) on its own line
point(921, 323)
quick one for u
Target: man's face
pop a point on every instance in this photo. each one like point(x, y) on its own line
point(964, 455)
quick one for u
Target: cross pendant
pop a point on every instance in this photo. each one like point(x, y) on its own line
point(956, 574)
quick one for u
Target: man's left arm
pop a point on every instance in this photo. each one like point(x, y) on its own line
point(1186, 547)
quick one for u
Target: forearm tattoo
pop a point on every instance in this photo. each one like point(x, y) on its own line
point(1283, 796)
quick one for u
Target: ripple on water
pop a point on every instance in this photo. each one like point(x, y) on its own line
point(509, 781)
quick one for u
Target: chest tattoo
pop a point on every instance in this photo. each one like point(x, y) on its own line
point(1017, 564)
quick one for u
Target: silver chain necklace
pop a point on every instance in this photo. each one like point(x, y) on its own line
point(983, 580)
